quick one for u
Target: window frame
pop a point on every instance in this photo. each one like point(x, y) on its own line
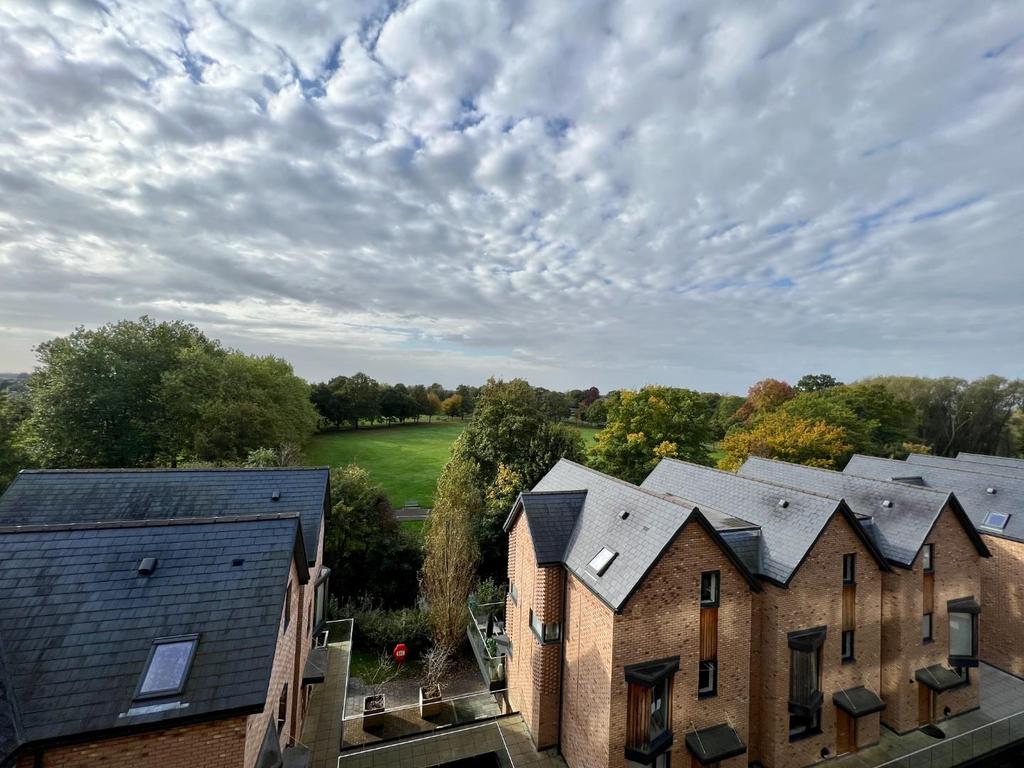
point(282, 718)
point(652, 676)
point(165, 692)
point(928, 558)
point(958, 608)
point(604, 560)
point(540, 629)
point(930, 637)
point(851, 578)
point(287, 606)
point(995, 526)
point(715, 579)
point(848, 656)
point(707, 692)
point(809, 641)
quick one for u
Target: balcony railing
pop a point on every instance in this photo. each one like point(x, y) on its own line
point(490, 644)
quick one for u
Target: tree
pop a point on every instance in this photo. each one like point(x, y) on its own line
point(363, 543)
point(725, 416)
point(13, 413)
point(452, 406)
point(95, 397)
point(222, 405)
point(395, 403)
point(433, 405)
point(596, 412)
point(815, 382)
point(766, 395)
point(327, 403)
point(358, 397)
point(647, 426)
point(450, 550)
point(781, 435)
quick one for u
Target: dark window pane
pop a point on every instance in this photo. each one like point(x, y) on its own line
point(167, 667)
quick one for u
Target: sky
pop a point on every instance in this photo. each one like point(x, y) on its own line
point(700, 194)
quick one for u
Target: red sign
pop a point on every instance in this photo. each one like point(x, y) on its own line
point(400, 653)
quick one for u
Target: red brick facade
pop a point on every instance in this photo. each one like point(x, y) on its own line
point(1002, 583)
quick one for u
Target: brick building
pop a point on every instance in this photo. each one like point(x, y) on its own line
point(709, 618)
point(159, 617)
point(991, 489)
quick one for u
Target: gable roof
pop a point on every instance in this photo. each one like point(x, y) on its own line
point(652, 524)
point(77, 620)
point(899, 529)
point(971, 489)
point(787, 532)
point(95, 495)
point(1007, 470)
point(551, 516)
point(1000, 461)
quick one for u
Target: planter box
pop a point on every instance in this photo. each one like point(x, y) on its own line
point(373, 712)
point(430, 706)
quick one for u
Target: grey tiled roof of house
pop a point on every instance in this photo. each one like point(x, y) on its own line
point(787, 532)
point(552, 518)
point(999, 461)
point(971, 489)
point(899, 529)
point(652, 523)
point(69, 496)
point(1008, 470)
point(9, 730)
point(77, 620)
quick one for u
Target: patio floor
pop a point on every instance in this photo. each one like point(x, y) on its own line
point(1002, 695)
point(506, 737)
point(322, 729)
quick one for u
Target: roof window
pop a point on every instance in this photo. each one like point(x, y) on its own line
point(602, 560)
point(997, 520)
point(167, 667)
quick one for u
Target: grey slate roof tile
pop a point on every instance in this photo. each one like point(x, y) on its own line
point(787, 533)
point(1008, 470)
point(999, 461)
point(72, 496)
point(970, 487)
point(77, 621)
point(899, 530)
point(552, 519)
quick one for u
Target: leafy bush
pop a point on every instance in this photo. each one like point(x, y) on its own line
point(377, 629)
point(489, 591)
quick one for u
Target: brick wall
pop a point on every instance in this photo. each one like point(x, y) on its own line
point(204, 745)
point(814, 598)
point(957, 574)
point(662, 619)
point(1002, 642)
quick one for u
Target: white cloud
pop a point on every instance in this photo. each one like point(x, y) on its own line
point(611, 193)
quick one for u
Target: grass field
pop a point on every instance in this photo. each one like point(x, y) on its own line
point(405, 460)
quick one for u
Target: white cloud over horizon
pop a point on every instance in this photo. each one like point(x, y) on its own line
point(581, 193)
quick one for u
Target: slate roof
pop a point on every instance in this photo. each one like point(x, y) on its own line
point(653, 522)
point(969, 486)
point(77, 621)
point(1000, 461)
point(1008, 470)
point(551, 517)
point(899, 530)
point(93, 495)
point(787, 533)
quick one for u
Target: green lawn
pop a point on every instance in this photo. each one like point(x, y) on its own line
point(404, 460)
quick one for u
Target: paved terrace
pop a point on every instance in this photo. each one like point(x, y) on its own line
point(997, 723)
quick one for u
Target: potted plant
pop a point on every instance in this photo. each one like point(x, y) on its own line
point(374, 703)
point(436, 664)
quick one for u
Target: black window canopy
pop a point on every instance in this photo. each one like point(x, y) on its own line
point(650, 673)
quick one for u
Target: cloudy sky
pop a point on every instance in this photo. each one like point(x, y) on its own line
point(609, 193)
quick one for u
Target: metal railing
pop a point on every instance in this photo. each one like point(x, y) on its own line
point(963, 747)
point(487, 636)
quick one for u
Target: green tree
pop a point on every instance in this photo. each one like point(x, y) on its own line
point(815, 382)
point(781, 435)
point(649, 425)
point(364, 547)
point(725, 417)
point(433, 405)
point(358, 398)
point(95, 396)
point(451, 551)
point(452, 406)
point(13, 413)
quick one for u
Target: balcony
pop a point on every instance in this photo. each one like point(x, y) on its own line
point(491, 646)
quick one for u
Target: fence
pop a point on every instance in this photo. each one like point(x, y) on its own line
point(964, 747)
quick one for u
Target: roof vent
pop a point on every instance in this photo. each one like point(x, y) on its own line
point(237, 562)
point(275, 496)
point(783, 503)
point(623, 514)
point(147, 566)
point(991, 491)
point(887, 503)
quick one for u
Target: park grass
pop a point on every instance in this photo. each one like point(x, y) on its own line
point(404, 460)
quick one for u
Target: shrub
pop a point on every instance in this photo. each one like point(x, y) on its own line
point(379, 630)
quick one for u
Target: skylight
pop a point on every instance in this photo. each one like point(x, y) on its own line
point(996, 520)
point(602, 560)
point(168, 666)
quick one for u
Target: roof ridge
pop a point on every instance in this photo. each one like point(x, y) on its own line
point(679, 500)
point(965, 471)
point(756, 480)
point(990, 469)
point(158, 523)
point(551, 493)
point(888, 483)
point(157, 470)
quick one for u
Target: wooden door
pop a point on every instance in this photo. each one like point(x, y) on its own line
point(846, 732)
point(924, 704)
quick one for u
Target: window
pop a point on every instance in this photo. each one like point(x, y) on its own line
point(513, 593)
point(550, 632)
point(963, 632)
point(282, 709)
point(288, 606)
point(708, 589)
point(659, 709)
point(849, 569)
point(805, 696)
point(997, 520)
point(167, 667)
point(847, 645)
point(649, 710)
point(928, 558)
point(707, 679)
point(926, 628)
point(320, 598)
point(602, 560)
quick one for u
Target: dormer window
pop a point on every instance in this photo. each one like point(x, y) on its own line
point(602, 560)
point(167, 667)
